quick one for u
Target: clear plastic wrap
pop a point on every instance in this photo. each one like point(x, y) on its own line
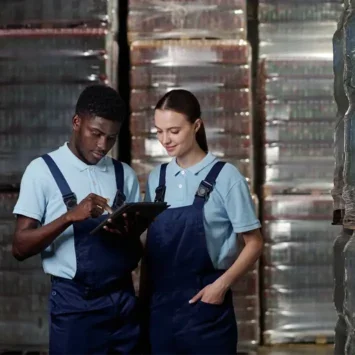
point(340, 335)
point(248, 285)
point(349, 141)
point(44, 96)
point(298, 174)
point(68, 13)
point(190, 52)
point(300, 276)
point(302, 207)
point(350, 342)
point(307, 300)
point(7, 230)
point(48, 51)
point(8, 262)
point(7, 203)
point(306, 31)
point(296, 253)
point(220, 145)
point(298, 67)
point(22, 304)
point(295, 131)
point(298, 152)
point(157, 19)
point(339, 267)
point(238, 123)
point(298, 10)
point(284, 88)
point(17, 151)
point(320, 48)
point(248, 334)
point(300, 110)
point(301, 231)
point(349, 282)
point(342, 103)
point(285, 326)
point(246, 307)
point(218, 76)
point(24, 282)
point(210, 100)
point(31, 333)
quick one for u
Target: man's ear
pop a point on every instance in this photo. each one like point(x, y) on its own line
point(76, 122)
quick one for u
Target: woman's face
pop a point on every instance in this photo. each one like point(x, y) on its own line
point(175, 132)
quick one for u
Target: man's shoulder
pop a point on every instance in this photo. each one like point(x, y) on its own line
point(128, 171)
point(38, 166)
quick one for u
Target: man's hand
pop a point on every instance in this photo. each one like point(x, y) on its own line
point(213, 293)
point(131, 225)
point(91, 206)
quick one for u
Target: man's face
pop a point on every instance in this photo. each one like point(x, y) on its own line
point(94, 137)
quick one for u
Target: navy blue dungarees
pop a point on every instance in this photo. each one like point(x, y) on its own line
point(179, 266)
point(96, 312)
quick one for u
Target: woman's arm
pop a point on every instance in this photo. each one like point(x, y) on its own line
point(247, 258)
point(215, 292)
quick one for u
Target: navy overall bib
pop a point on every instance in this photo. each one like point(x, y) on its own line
point(96, 312)
point(179, 266)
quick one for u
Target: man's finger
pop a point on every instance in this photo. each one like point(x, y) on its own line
point(108, 208)
point(197, 297)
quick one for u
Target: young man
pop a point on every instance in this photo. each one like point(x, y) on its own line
point(63, 197)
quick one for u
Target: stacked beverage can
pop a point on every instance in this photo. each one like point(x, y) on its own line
point(298, 114)
point(198, 46)
point(49, 52)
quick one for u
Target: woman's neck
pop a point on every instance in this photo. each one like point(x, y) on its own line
point(191, 158)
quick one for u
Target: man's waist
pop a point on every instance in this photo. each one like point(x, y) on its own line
point(96, 290)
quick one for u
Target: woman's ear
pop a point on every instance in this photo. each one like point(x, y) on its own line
point(198, 123)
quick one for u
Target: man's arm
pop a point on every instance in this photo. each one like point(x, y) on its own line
point(30, 238)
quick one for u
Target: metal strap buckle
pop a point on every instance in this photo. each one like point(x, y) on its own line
point(204, 189)
point(70, 201)
point(159, 194)
point(120, 199)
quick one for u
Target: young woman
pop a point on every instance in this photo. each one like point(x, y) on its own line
point(191, 248)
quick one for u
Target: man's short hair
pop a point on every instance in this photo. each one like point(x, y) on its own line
point(102, 101)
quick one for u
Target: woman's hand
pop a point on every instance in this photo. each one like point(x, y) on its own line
point(213, 293)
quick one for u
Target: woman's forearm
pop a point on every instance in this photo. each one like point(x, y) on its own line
point(247, 258)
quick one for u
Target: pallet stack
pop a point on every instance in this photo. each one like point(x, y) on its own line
point(50, 51)
point(298, 111)
point(198, 46)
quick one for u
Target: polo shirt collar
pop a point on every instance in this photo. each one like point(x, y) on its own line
point(195, 169)
point(79, 164)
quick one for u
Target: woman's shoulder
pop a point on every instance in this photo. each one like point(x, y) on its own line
point(231, 174)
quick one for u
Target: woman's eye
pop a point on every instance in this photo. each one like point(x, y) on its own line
point(97, 134)
point(174, 132)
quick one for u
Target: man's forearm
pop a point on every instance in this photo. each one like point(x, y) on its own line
point(29, 241)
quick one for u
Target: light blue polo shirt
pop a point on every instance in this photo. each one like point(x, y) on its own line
point(229, 209)
point(41, 199)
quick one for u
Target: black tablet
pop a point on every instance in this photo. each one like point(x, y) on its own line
point(146, 210)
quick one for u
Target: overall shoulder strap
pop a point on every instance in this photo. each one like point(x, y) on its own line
point(120, 197)
point(206, 186)
point(69, 197)
point(160, 190)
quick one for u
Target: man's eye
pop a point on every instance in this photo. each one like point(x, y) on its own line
point(97, 134)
